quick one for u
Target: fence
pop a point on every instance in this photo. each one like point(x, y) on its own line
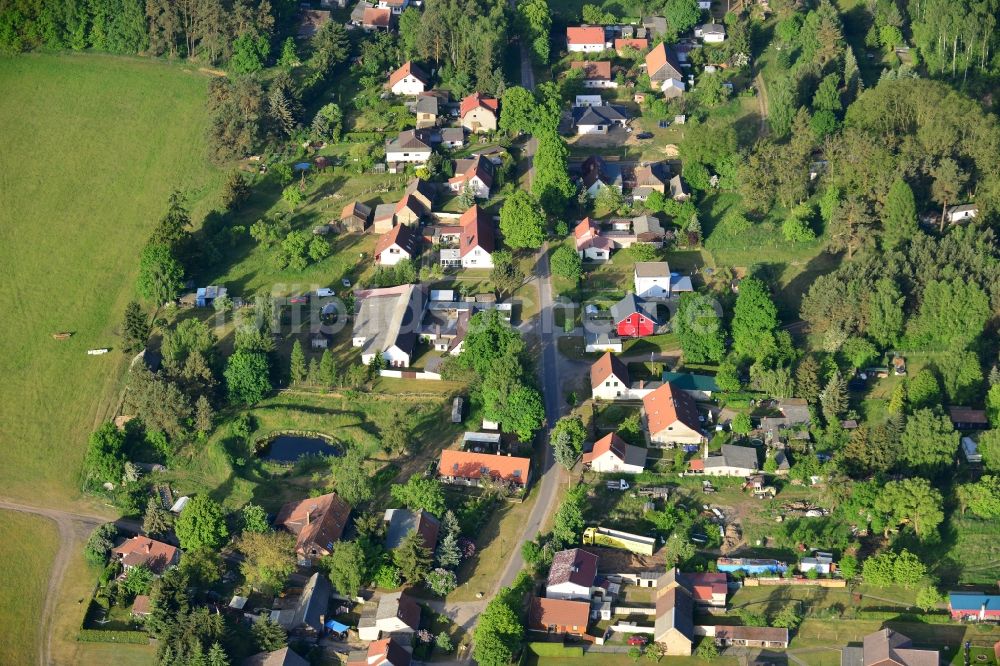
point(410, 374)
point(773, 582)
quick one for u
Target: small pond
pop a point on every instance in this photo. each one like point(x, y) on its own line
point(289, 448)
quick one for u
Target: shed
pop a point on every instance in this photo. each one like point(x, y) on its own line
point(970, 450)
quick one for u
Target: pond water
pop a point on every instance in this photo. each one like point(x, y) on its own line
point(289, 448)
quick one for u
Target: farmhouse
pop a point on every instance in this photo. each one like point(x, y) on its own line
point(356, 216)
point(598, 119)
point(598, 173)
point(307, 615)
point(613, 454)
point(734, 460)
point(646, 179)
point(673, 628)
point(429, 106)
point(711, 33)
point(475, 173)
point(665, 71)
point(652, 279)
point(316, 522)
point(376, 18)
point(572, 575)
point(283, 657)
point(452, 137)
point(585, 39)
point(479, 113)
point(397, 615)
point(408, 80)
point(409, 146)
point(973, 606)
point(409, 209)
point(590, 245)
point(145, 552)
point(671, 417)
point(387, 323)
point(558, 616)
point(596, 73)
point(399, 243)
point(608, 378)
point(633, 317)
point(887, 647)
point(385, 652)
point(477, 241)
point(399, 523)
point(469, 468)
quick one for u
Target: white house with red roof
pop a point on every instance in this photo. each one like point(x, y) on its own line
point(476, 173)
point(613, 454)
point(143, 551)
point(408, 80)
point(398, 244)
point(590, 245)
point(572, 575)
point(586, 39)
point(476, 241)
point(479, 113)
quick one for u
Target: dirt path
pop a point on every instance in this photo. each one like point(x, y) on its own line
point(74, 528)
point(758, 81)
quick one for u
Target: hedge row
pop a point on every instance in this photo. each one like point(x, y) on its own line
point(361, 137)
point(555, 650)
point(105, 636)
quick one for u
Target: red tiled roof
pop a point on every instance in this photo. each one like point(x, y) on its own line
point(658, 59)
point(545, 613)
point(667, 405)
point(400, 235)
point(477, 231)
point(586, 34)
point(594, 69)
point(469, 465)
point(474, 166)
point(141, 550)
point(377, 17)
point(384, 651)
point(409, 201)
point(635, 42)
point(606, 366)
point(316, 521)
point(611, 442)
point(408, 68)
point(476, 100)
point(575, 566)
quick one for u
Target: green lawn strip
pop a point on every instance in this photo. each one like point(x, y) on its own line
point(27, 548)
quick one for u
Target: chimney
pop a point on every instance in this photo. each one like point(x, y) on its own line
point(308, 515)
point(982, 612)
point(705, 454)
point(642, 384)
point(149, 546)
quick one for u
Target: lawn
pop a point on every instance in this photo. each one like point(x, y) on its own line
point(27, 547)
point(93, 145)
point(352, 419)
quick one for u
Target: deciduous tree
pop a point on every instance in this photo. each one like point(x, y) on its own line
point(201, 524)
point(522, 221)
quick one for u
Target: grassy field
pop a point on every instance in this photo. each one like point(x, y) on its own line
point(92, 147)
point(27, 547)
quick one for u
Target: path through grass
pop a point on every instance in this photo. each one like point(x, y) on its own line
point(27, 547)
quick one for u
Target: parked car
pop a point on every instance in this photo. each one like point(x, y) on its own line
point(644, 135)
point(298, 300)
point(638, 640)
point(324, 293)
point(345, 282)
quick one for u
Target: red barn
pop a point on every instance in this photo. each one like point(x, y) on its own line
point(633, 318)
